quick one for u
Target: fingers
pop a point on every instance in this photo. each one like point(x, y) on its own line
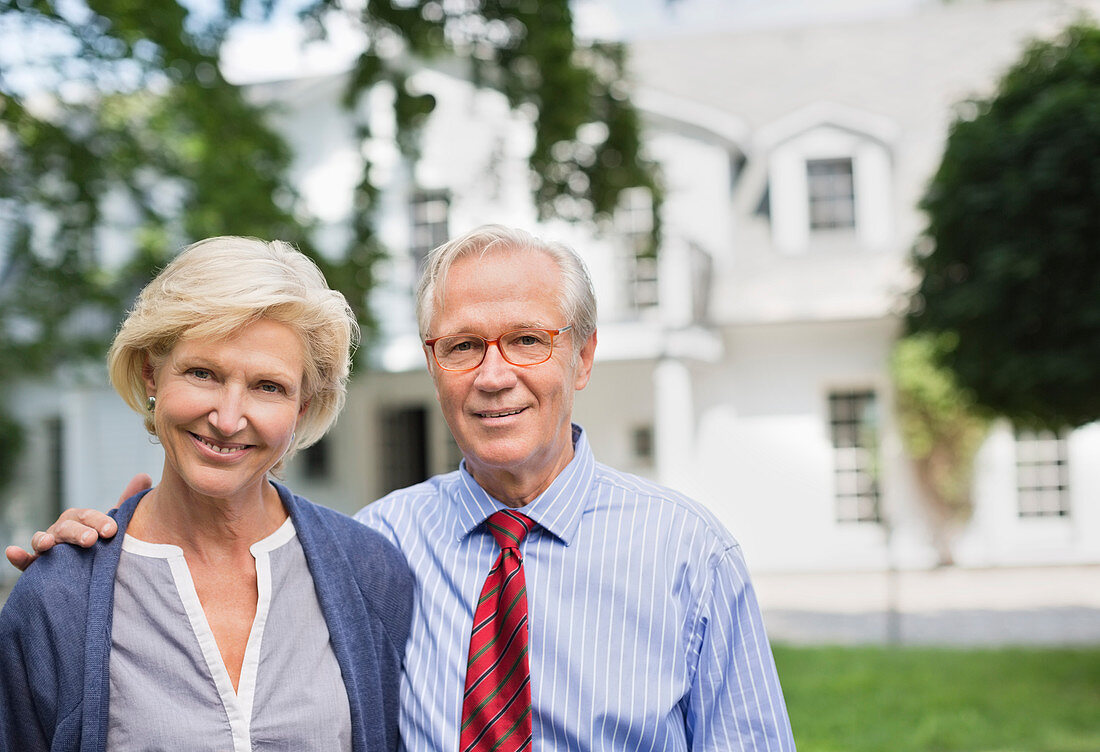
point(19, 558)
point(42, 542)
point(81, 527)
point(139, 482)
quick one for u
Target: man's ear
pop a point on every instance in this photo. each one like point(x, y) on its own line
point(433, 371)
point(585, 358)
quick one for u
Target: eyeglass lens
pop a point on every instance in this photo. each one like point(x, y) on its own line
point(522, 347)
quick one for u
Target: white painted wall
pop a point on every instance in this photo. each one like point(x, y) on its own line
point(104, 444)
point(739, 407)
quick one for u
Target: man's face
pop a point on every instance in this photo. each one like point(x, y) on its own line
point(512, 423)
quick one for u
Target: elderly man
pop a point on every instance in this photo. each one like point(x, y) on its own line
point(616, 614)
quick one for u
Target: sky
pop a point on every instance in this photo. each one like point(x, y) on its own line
point(273, 51)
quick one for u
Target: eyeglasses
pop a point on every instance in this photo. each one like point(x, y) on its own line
point(520, 347)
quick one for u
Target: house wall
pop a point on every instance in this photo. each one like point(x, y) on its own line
point(102, 445)
point(764, 459)
point(998, 536)
point(730, 406)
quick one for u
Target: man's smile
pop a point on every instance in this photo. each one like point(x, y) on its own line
point(499, 413)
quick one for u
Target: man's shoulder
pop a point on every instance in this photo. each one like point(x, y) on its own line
point(402, 500)
point(637, 485)
point(611, 476)
point(647, 497)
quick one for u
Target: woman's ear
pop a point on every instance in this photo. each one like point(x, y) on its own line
point(149, 375)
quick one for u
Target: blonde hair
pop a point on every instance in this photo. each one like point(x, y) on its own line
point(578, 299)
point(216, 287)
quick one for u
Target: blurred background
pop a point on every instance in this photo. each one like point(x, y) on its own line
point(847, 255)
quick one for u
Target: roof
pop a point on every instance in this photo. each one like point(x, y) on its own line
point(913, 67)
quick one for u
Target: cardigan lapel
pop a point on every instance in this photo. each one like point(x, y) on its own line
point(350, 624)
point(97, 641)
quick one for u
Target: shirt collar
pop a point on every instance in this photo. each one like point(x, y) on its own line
point(558, 509)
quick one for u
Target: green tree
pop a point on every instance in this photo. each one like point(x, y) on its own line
point(118, 128)
point(1012, 274)
point(941, 430)
point(115, 127)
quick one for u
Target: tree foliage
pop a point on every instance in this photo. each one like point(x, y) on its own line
point(118, 129)
point(587, 142)
point(1013, 271)
point(941, 429)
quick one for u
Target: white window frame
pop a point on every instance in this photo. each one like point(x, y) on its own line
point(830, 188)
point(429, 222)
point(789, 190)
point(1042, 475)
point(634, 227)
point(857, 491)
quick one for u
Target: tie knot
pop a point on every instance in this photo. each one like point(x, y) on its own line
point(509, 527)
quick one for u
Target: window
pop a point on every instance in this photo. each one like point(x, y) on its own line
point(641, 441)
point(404, 442)
point(634, 224)
point(429, 211)
point(316, 460)
point(853, 423)
point(55, 438)
point(1041, 474)
point(831, 193)
point(830, 180)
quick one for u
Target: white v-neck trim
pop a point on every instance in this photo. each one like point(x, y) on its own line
point(238, 705)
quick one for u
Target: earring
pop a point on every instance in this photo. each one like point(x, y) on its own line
point(151, 404)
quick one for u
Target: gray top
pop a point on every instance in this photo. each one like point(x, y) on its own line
point(169, 687)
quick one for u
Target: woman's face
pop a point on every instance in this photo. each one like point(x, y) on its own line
point(226, 409)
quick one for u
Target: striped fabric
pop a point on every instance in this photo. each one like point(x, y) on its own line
point(645, 634)
point(496, 706)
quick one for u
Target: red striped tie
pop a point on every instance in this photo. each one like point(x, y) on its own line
point(496, 708)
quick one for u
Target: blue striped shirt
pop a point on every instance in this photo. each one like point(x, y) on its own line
point(645, 633)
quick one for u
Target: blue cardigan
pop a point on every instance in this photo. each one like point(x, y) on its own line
point(55, 632)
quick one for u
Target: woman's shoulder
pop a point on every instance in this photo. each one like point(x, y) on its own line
point(337, 544)
point(62, 575)
point(62, 566)
point(55, 585)
point(352, 536)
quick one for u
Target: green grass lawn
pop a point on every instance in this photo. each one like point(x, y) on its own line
point(880, 699)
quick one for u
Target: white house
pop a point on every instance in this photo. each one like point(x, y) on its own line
point(748, 366)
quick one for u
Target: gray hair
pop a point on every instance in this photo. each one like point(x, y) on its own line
point(218, 286)
point(578, 303)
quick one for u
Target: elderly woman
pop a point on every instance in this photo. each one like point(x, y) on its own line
point(228, 614)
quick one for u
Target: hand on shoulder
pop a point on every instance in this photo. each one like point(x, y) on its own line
point(78, 527)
